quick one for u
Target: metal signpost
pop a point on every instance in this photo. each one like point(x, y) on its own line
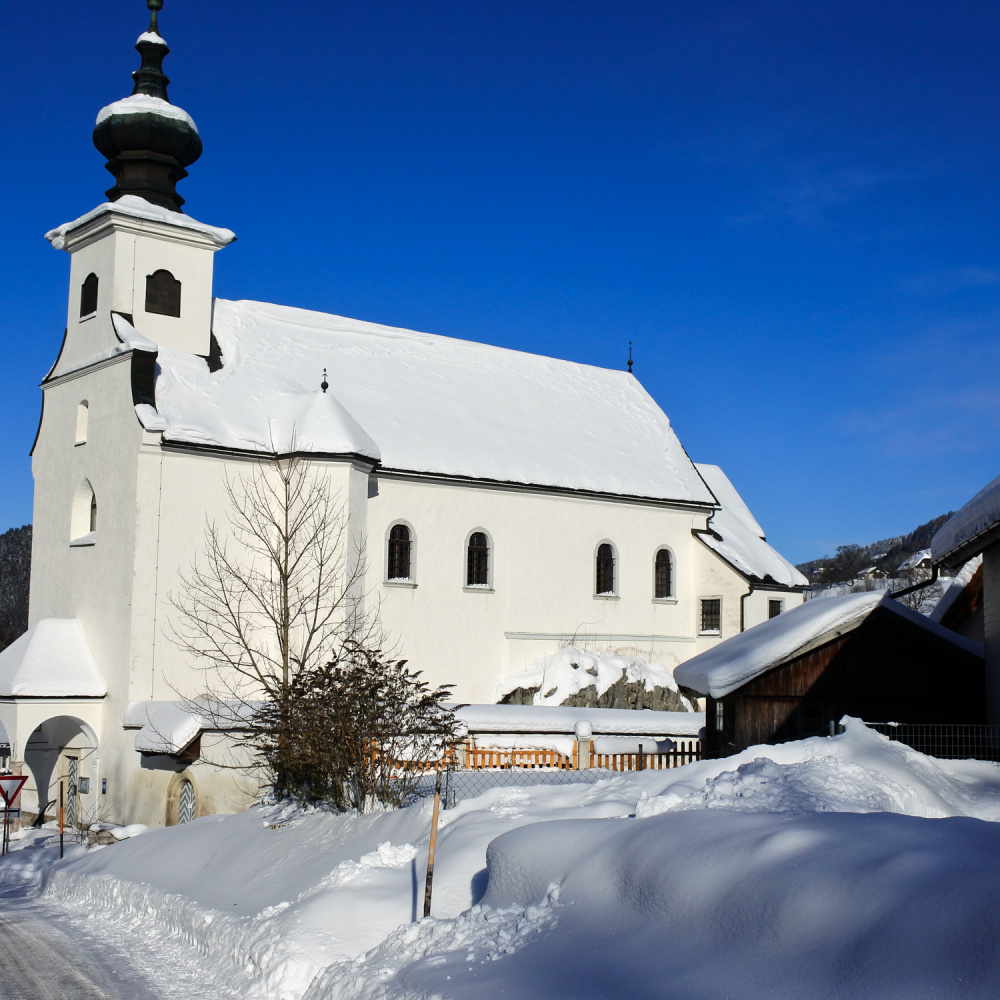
point(10, 788)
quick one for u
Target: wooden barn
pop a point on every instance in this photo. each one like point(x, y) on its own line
point(864, 655)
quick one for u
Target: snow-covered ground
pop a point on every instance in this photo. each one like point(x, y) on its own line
point(831, 867)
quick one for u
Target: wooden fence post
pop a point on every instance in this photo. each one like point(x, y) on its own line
point(433, 845)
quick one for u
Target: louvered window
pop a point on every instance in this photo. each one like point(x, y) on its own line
point(163, 294)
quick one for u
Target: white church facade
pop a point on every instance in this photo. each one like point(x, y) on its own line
point(506, 503)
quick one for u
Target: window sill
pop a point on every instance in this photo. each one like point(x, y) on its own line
point(83, 319)
point(404, 584)
point(76, 444)
point(606, 597)
point(664, 600)
point(711, 635)
point(89, 539)
point(478, 588)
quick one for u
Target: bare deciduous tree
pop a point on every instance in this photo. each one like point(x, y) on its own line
point(277, 595)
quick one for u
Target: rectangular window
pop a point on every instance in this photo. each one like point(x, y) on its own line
point(774, 608)
point(720, 718)
point(711, 615)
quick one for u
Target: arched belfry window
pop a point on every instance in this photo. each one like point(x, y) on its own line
point(478, 567)
point(88, 295)
point(163, 294)
point(663, 580)
point(605, 583)
point(399, 553)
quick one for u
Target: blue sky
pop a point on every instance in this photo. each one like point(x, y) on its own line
point(790, 209)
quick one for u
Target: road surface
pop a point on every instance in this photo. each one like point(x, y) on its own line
point(48, 953)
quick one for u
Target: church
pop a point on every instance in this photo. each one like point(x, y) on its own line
point(506, 504)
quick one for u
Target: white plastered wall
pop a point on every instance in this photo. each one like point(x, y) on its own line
point(542, 579)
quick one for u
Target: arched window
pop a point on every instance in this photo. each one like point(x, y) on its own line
point(88, 295)
point(399, 553)
point(82, 419)
point(663, 575)
point(83, 517)
point(163, 294)
point(479, 560)
point(186, 803)
point(605, 569)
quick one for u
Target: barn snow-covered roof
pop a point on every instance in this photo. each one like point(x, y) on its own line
point(971, 529)
point(422, 403)
point(730, 664)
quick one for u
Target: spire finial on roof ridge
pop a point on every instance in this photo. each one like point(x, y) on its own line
point(324, 385)
point(630, 357)
point(154, 6)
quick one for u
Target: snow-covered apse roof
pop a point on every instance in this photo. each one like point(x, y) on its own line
point(164, 726)
point(969, 531)
point(422, 403)
point(51, 660)
point(748, 654)
point(736, 536)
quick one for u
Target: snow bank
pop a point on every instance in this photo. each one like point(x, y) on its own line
point(980, 514)
point(429, 403)
point(736, 536)
point(51, 660)
point(772, 873)
point(565, 674)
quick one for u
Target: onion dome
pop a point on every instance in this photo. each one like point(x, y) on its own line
point(147, 140)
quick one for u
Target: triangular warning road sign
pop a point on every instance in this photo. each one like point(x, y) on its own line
point(10, 785)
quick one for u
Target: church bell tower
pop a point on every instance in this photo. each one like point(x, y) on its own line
point(138, 255)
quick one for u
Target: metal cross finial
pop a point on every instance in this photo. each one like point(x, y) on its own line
point(154, 6)
point(630, 356)
point(324, 385)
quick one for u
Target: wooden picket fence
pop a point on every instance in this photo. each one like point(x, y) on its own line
point(686, 752)
point(473, 758)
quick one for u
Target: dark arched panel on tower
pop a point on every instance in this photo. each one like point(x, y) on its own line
point(88, 295)
point(163, 294)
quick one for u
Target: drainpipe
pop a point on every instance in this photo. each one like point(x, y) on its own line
point(917, 586)
point(743, 608)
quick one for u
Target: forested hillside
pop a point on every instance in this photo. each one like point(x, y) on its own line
point(15, 572)
point(886, 555)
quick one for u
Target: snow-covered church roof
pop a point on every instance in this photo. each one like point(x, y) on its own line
point(736, 536)
point(51, 660)
point(418, 402)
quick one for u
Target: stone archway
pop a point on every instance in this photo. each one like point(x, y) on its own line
point(64, 751)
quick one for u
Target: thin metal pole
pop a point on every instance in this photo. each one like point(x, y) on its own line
point(3, 851)
point(61, 843)
point(433, 845)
